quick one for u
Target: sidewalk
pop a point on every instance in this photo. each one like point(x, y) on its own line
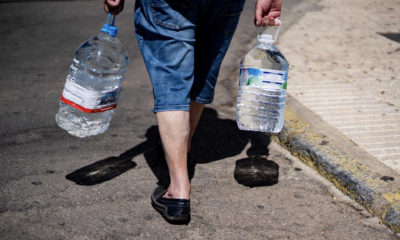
point(343, 114)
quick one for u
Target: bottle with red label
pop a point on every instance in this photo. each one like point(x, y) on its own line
point(93, 85)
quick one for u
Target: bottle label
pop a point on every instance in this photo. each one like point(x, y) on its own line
point(87, 100)
point(265, 78)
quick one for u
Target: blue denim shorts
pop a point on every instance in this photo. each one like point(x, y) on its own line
point(183, 43)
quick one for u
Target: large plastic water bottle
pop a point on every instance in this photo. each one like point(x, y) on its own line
point(93, 85)
point(262, 85)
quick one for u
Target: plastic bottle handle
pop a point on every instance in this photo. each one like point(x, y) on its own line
point(276, 21)
point(108, 19)
point(273, 31)
point(110, 29)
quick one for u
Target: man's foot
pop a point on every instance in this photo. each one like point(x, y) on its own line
point(175, 211)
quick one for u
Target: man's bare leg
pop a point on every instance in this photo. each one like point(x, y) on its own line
point(176, 131)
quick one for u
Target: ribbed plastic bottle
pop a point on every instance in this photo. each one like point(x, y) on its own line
point(93, 85)
point(262, 85)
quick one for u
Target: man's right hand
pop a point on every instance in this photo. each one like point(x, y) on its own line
point(266, 12)
point(113, 6)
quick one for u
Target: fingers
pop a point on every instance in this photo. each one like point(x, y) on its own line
point(267, 21)
point(266, 12)
point(261, 10)
point(106, 9)
point(113, 3)
point(113, 6)
point(272, 22)
point(258, 12)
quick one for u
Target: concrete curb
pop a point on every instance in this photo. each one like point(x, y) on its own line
point(359, 181)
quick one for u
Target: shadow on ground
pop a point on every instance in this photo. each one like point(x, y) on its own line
point(215, 139)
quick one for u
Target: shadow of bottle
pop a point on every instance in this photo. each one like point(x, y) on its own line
point(101, 171)
point(215, 139)
point(256, 171)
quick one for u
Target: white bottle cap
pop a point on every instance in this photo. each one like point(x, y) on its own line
point(265, 38)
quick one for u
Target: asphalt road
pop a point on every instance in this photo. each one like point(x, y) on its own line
point(56, 186)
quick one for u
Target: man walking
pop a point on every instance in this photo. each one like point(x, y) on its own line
point(183, 43)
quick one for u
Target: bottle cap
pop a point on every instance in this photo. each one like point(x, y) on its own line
point(267, 38)
point(110, 29)
point(269, 34)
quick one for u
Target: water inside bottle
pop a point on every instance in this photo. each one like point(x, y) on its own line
point(97, 72)
point(262, 89)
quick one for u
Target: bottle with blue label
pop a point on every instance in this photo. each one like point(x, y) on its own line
point(93, 85)
point(262, 85)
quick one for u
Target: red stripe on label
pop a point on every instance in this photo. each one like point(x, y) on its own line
point(87, 110)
